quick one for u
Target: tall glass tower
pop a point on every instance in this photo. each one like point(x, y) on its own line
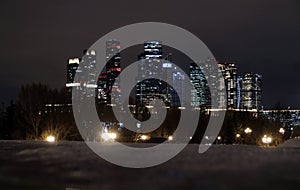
point(113, 69)
point(200, 95)
point(229, 72)
point(251, 91)
point(150, 66)
point(72, 66)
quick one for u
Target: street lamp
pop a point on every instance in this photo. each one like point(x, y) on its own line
point(266, 140)
point(50, 138)
point(109, 136)
point(281, 130)
point(144, 137)
point(218, 139)
point(248, 130)
point(237, 135)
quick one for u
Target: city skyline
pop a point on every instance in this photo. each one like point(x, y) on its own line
point(243, 92)
point(258, 37)
point(150, 94)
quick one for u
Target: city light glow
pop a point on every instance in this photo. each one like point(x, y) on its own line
point(170, 138)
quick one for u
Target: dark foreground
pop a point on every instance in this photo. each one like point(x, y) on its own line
point(72, 165)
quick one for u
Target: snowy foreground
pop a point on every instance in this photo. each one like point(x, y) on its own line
point(72, 165)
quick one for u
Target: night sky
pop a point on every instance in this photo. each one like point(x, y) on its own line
point(37, 37)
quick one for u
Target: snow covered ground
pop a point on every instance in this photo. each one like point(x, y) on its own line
point(72, 165)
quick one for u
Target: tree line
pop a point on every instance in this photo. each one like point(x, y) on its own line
point(29, 118)
point(40, 111)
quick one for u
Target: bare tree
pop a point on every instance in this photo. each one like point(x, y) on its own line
point(29, 108)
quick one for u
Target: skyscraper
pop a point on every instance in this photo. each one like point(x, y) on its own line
point(113, 69)
point(239, 91)
point(153, 50)
point(251, 91)
point(178, 89)
point(72, 66)
point(150, 66)
point(102, 88)
point(229, 72)
point(200, 94)
point(88, 65)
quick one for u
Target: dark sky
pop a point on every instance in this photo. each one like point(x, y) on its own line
point(37, 37)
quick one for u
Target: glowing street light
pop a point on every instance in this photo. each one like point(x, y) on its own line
point(266, 139)
point(237, 135)
point(50, 138)
point(218, 139)
point(109, 136)
point(281, 130)
point(144, 137)
point(248, 130)
point(170, 138)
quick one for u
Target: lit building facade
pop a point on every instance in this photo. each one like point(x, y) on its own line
point(239, 91)
point(251, 91)
point(113, 69)
point(72, 67)
point(150, 66)
point(88, 65)
point(200, 94)
point(229, 72)
point(178, 89)
point(102, 95)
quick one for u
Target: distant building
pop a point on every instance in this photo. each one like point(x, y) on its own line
point(229, 71)
point(72, 69)
point(91, 85)
point(88, 66)
point(178, 89)
point(200, 94)
point(72, 66)
point(150, 66)
point(251, 91)
point(153, 50)
point(167, 75)
point(102, 94)
point(113, 69)
point(239, 91)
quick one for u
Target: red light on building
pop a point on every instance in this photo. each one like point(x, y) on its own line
point(102, 76)
point(115, 69)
